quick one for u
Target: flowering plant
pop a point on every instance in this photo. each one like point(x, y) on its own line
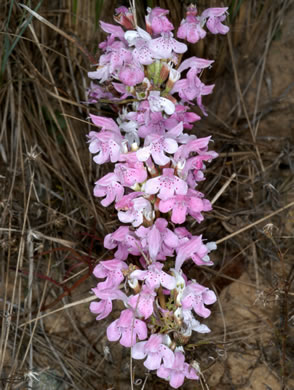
point(157, 167)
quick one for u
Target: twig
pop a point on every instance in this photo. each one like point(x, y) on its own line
point(224, 187)
point(255, 223)
point(59, 31)
point(85, 300)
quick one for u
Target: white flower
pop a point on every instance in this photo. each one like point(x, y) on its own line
point(180, 284)
point(158, 103)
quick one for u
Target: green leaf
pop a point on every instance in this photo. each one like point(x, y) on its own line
point(74, 10)
point(234, 9)
point(9, 49)
point(98, 9)
point(150, 3)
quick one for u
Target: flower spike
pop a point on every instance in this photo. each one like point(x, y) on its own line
point(156, 162)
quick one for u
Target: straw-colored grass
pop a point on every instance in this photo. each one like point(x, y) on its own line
point(52, 229)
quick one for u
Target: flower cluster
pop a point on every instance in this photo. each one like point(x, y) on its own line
point(157, 166)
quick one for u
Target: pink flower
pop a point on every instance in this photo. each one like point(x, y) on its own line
point(157, 22)
point(167, 185)
point(104, 307)
point(119, 57)
point(107, 144)
point(105, 123)
point(177, 133)
point(107, 44)
point(127, 200)
point(192, 88)
point(158, 103)
point(143, 302)
point(177, 373)
point(142, 53)
point(196, 63)
point(155, 277)
point(181, 115)
point(158, 239)
point(125, 241)
point(112, 271)
point(193, 249)
point(196, 296)
point(198, 145)
point(155, 124)
point(108, 185)
point(123, 90)
point(190, 169)
point(194, 177)
point(131, 74)
point(115, 31)
point(163, 47)
point(192, 10)
point(95, 92)
point(124, 17)
point(196, 162)
point(112, 62)
point(130, 174)
point(129, 157)
point(155, 145)
point(155, 351)
point(183, 234)
point(127, 328)
point(137, 209)
point(140, 39)
point(191, 29)
point(181, 205)
point(215, 17)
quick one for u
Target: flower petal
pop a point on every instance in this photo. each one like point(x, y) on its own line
point(138, 350)
point(141, 329)
point(153, 361)
point(154, 241)
point(143, 153)
point(113, 331)
point(152, 186)
point(166, 205)
point(103, 308)
point(176, 379)
point(170, 145)
point(179, 213)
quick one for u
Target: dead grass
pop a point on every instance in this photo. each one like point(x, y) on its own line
point(51, 228)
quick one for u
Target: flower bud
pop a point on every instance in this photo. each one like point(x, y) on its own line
point(134, 147)
point(124, 146)
point(124, 17)
point(158, 72)
point(174, 76)
point(181, 339)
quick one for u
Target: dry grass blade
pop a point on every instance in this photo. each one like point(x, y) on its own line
point(61, 32)
point(255, 223)
point(67, 306)
point(23, 27)
point(243, 102)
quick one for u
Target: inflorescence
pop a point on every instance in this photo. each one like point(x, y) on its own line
point(157, 166)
